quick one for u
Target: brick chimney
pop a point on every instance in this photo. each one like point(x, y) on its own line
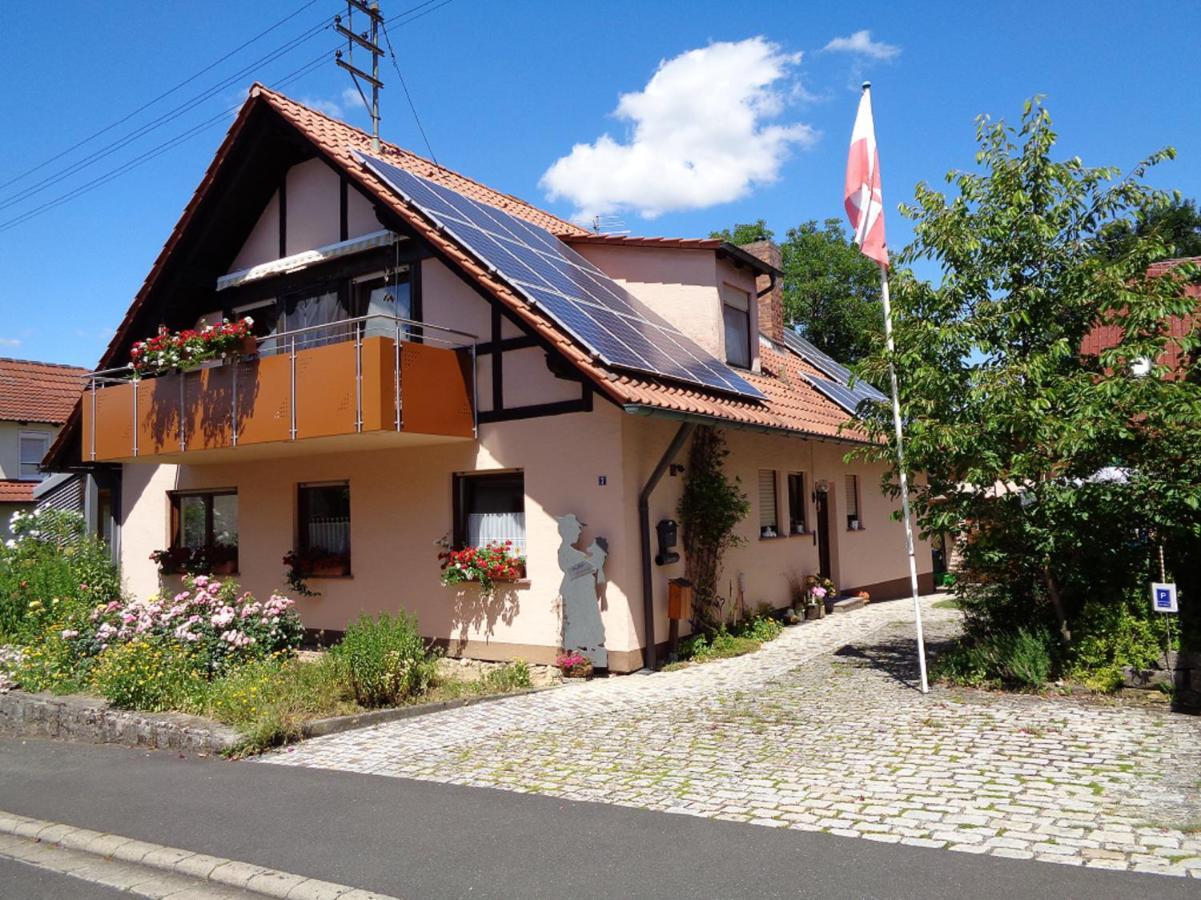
point(771, 304)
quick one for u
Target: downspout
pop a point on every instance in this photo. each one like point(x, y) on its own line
point(644, 529)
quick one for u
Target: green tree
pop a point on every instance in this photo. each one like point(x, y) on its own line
point(745, 233)
point(1176, 222)
point(1066, 470)
point(831, 290)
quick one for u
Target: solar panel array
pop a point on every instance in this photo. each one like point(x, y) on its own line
point(838, 385)
point(603, 316)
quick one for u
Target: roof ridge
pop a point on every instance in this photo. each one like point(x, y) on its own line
point(275, 96)
point(47, 365)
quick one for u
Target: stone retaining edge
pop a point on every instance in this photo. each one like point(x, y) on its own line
point(92, 720)
point(337, 724)
point(232, 873)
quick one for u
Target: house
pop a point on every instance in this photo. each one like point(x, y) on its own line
point(35, 400)
point(440, 364)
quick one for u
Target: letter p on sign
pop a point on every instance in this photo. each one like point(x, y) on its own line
point(1163, 597)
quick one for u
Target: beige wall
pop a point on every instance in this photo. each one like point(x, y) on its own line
point(314, 204)
point(10, 444)
point(400, 506)
point(680, 285)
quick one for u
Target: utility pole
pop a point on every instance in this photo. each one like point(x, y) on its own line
point(369, 41)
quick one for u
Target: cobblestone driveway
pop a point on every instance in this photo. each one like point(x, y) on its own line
point(821, 731)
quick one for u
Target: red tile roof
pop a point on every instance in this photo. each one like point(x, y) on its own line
point(38, 392)
point(17, 491)
point(790, 404)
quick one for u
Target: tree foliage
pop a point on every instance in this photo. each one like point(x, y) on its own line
point(831, 290)
point(1065, 471)
point(1176, 222)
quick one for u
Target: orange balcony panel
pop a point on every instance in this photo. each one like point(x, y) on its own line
point(332, 390)
point(436, 391)
point(264, 409)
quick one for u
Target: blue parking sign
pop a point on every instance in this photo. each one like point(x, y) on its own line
point(1163, 597)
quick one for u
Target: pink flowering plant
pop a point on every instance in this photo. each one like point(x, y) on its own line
point(216, 621)
point(574, 664)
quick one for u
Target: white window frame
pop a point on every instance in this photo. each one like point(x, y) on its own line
point(730, 292)
point(38, 475)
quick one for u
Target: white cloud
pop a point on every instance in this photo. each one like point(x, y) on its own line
point(10, 342)
point(698, 135)
point(861, 43)
point(331, 108)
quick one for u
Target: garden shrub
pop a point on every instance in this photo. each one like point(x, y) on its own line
point(1108, 637)
point(761, 628)
point(149, 674)
point(510, 677)
point(222, 625)
point(385, 659)
point(50, 664)
point(1021, 658)
point(50, 572)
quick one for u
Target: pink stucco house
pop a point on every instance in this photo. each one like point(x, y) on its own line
point(438, 363)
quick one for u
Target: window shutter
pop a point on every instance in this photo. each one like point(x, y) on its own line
point(767, 501)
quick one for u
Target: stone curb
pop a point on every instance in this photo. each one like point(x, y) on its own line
point(337, 724)
point(257, 880)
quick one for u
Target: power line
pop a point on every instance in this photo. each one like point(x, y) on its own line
point(163, 119)
point(154, 152)
point(404, 86)
point(163, 95)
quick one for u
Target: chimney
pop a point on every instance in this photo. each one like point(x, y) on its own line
point(771, 303)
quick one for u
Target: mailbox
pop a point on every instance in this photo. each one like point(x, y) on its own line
point(668, 531)
point(679, 598)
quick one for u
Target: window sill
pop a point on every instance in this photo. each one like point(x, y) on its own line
point(801, 534)
point(855, 530)
point(774, 537)
point(345, 576)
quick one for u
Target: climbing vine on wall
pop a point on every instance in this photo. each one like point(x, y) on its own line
point(711, 507)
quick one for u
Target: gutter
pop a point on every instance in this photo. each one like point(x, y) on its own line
point(644, 534)
point(641, 409)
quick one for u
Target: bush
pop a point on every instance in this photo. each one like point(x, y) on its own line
point(385, 660)
point(51, 573)
point(50, 664)
point(511, 677)
point(1108, 637)
point(221, 625)
point(1024, 658)
point(148, 674)
point(761, 628)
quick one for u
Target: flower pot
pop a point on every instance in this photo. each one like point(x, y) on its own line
point(325, 569)
point(813, 612)
point(249, 345)
point(226, 567)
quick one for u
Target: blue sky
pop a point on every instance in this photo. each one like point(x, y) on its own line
point(505, 90)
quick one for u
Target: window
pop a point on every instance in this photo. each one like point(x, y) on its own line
point(384, 296)
point(265, 314)
point(324, 528)
point(490, 509)
point(796, 503)
point(316, 308)
point(736, 312)
point(769, 522)
point(34, 445)
point(204, 531)
point(852, 485)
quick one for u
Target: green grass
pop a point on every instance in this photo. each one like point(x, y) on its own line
point(949, 603)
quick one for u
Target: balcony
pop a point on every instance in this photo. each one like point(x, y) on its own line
point(308, 390)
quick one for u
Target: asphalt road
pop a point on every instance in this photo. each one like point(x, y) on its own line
point(417, 839)
point(20, 881)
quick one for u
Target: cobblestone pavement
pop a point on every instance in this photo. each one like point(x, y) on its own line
point(822, 730)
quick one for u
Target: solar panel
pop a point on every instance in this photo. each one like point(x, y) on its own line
point(603, 316)
point(839, 373)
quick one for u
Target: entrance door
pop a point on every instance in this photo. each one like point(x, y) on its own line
point(822, 501)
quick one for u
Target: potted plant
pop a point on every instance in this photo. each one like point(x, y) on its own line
point(216, 560)
point(574, 665)
point(483, 565)
point(184, 350)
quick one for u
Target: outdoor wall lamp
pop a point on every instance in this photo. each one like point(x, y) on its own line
point(668, 531)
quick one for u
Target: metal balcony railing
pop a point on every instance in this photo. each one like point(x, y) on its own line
point(375, 335)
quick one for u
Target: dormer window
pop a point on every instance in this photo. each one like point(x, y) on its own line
point(736, 313)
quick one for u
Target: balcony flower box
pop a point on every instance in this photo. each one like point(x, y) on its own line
point(318, 564)
point(218, 560)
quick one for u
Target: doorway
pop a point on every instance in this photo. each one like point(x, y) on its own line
point(821, 499)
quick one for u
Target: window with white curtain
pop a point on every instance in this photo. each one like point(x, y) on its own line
point(769, 518)
point(324, 530)
point(490, 509)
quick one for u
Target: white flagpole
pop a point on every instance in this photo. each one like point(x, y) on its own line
point(896, 421)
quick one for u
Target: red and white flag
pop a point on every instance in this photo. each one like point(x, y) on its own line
point(864, 199)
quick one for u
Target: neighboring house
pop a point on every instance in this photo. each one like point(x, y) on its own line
point(507, 379)
point(35, 400)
